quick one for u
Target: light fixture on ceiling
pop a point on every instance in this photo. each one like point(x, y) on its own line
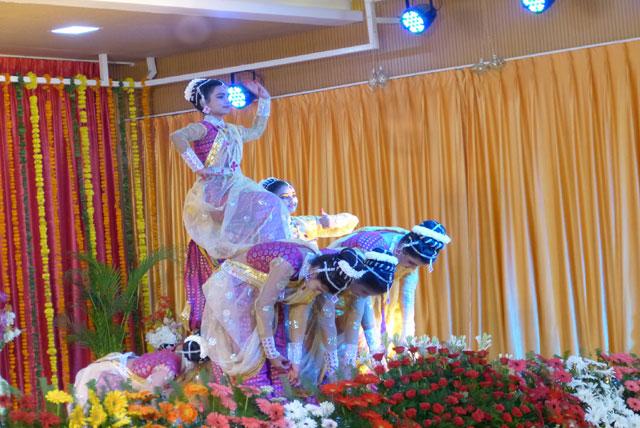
point(536, 6)
point(75, 30)
point(417, 18)
point(239, 96)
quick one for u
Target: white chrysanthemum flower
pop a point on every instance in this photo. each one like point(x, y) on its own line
point(161, 336)
point(266, 389)
point(327, 408)
point(295, 411)
point(314, 410)
point(329, 423)
point(307, 423)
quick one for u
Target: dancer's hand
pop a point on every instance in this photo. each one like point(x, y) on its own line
point(294, 375)
point(325, 219)
point(256, 88)
point(280, 362)
point(204, 173)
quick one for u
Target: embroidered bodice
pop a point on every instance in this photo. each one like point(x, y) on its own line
point(144, 364)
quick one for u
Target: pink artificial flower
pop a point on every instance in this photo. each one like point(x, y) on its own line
point(622, 358)
point(216, 420)
point(555, 363)
point(632, 385)
point(560, 375)
point(518, 365)
point(634, 404)
point(274, 411)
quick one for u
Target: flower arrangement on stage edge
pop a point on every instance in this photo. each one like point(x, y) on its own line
point(162, 328)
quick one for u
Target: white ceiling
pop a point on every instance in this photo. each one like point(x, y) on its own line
point(133, 30)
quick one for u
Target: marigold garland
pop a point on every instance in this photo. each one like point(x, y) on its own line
point(69, 153)
point(103, 175)
point(15, 233)
point(113, 136)
point(31, 273)
point(58, 279)
point(150, 178)
point(86, 161)
point(127, 210)
point(137, 190)
point(34, 118)
point(134, 340)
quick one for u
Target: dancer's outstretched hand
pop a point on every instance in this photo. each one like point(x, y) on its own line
point(325, 219)
point(256, 88)
point(280, 362)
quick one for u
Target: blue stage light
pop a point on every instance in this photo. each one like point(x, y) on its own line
point(536, 6)
point(416, 19)
point(239, 96)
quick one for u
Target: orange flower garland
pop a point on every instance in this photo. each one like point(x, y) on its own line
point(70, 161)
point(58, 269)
point(5, 247)
point(86, 160)
point(137, 190)
point(34, 118)
point(17, 243)
point(103, 175)
point(113, 135)
point(150, 179)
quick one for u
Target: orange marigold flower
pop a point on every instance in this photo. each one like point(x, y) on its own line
point(193, 389)
point(187, 413)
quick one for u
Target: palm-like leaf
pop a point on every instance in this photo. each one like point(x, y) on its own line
point(111, 301)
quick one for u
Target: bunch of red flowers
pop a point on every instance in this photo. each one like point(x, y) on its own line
point(439, 387)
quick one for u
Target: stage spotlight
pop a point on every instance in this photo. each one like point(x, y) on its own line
point(417, 18)
point(536, 6)
point(238, 95)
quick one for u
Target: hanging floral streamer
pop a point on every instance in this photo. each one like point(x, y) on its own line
point(134, 341)
point(137, 190)
point(86, 162)
point(113, 136)
point(13, 197)
point(150, 178)
point(127, 211)
point(34, 118)
point(57, 246)
point(103, 176)
point(33, 333)
point(68, 144)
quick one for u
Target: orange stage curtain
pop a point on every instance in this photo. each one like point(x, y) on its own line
point(534, 170)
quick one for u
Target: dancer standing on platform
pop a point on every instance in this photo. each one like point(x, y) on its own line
point(415, 248)
point(309, 228)
point(224, 212)
point(246, 338)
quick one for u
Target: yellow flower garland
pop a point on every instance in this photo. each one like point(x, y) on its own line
point(86, 159)
point(103, 176)
point(34, 118)
point(58, 268)
point(137, 191)
point(150, 179)
point(13, 372)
